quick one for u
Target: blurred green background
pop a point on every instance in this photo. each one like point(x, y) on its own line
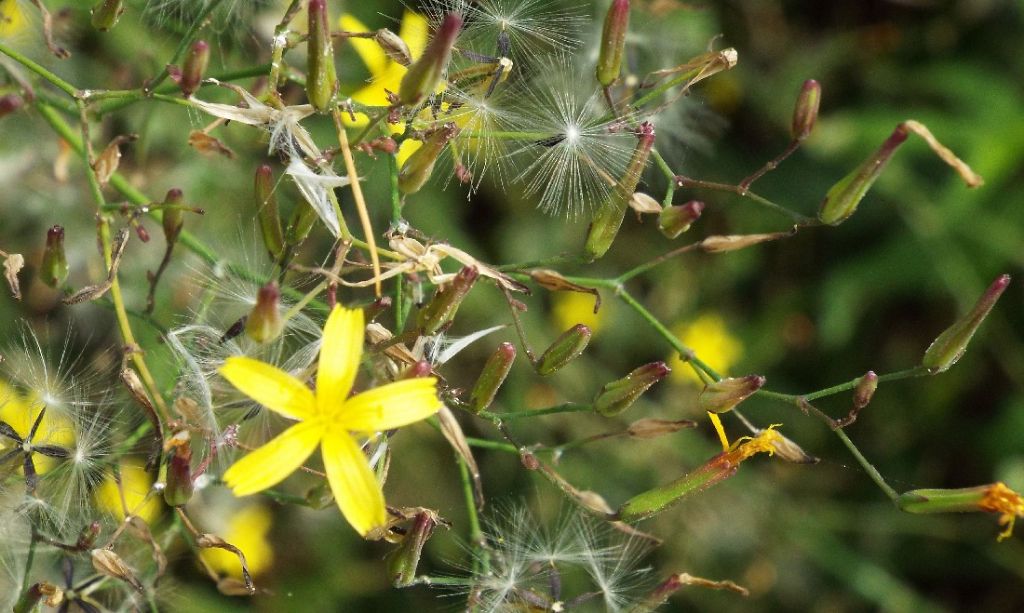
point(807, 312)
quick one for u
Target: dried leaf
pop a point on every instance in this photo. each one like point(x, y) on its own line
point(733, 242)
point(204, 143)
point(108, 563)
point(108, 161)
point(61, 161)
point(644, 203)
point(208, 541)
point(452, 431)
point(971, 178)
point(92, 292)
point(554, 281)
point(13, 264)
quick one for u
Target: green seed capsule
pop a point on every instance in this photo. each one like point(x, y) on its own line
point(174, 215)
point(674, 220)
point(195, 66)
point(613, 42)
point(842, 199)
point(605, 226)
point(420, 165)
point(565, 349)
point(106, 13)
point(179, 487)
point(266, 212)
point(264, 322)
point(321, 78)
point(805, 114)
point(951, 344)
point(722, 396)
point(439, 312)
point(424, 75)
point(54, 268)
point(491, 377)
point(404, 561)
point(619, 395)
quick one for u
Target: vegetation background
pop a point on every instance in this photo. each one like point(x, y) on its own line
point(807, 312)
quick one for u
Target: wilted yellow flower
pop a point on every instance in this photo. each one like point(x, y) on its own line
point(571, 308)
point(136, 484)
point(709, 338)
point(328, 418)
point(246, 529)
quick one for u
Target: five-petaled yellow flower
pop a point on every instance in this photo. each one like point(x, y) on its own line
point(328, 418)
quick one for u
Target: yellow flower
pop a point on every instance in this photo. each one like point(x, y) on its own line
point(20, 413)
point(328, 418)
point(709, 338)
point(12, 18)
point(571, 308)
point(247, 529)
point(137, 485)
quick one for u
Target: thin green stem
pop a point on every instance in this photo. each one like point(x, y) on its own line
point(60, 83)
point(867, 466)
point(401, 307)
point(671, 176)
point(569, 407)
point(481, 562)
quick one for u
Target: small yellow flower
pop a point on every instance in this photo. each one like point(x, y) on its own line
point(328, 418)
point(709, 338)
point(137, 485)
point(571, 308)
point(247, 529)
point(12, 18)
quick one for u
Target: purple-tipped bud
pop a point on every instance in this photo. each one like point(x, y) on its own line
point(609, 216)
point(87, 537)
point(424, 76)
point(420, 165)
point(321, 77)
point(491, 377)
point(951, 344)
point(264, 322)
point(10, 103)
point(174, 214)
point(404, 561)
point(179, 488)
point(565, 349)
point(53, 270)
point(674, 220)
point(439, 312)
point(417, 370)
point(613, 42)
point(393, 46)
point(106, 13)
point(619, 395)
point(865, 389)
point(842, 199)
point(266, 212)
point(805, 113)
point(195, 67)
point(722, 396)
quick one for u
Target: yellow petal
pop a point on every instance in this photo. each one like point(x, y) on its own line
point(391, 406)
point(354, 485)
point(367, 49)
point(339, 357)
point(406, 149)
point(414, 31)
point(270, 386)
point(271, 463)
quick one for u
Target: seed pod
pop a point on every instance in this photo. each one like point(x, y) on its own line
point(619, 395)
point(805, 114)
point(106, 13)
point(321, 77)
point(195, 66)
point(301, 222)
point(441, 309)
point(418, 168)
point(491, 377)
point(423, 77)
point(266, 212)
point(54, 268)
point(108, 563)
point(865, 389)
point(174, 215)
point(722, 396)
point(644, 204)
point(674, 220)
point(565, 349)
point(650, 427)
point(951, 344)
point(406, 559)
point(657, 499)
point(609, 217)
point(393, 46)
point(613, 42)
point(264, 322)
point(842, 199)
point(179, 488)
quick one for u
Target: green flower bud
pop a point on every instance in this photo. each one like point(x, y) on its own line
point(722, 396)
point(842, 199)
point(321, 77)
point(420, 165)
point(440, 311)
point(613, 42)
point(54, 268)
point(674, 220)
point(491, 377)
point(403, 562)
point(865, 389)
point(179, 488)
point(609, 217)
point(619, 395)
point(174, 215)
point(422, 78)
point(264, 322)
point(195, 66)
point(805, 114)
point(951, 344)
point(301, 222)
point(106, 13)
point(266, 212)
point(565, 349)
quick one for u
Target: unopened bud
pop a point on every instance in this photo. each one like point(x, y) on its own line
point(106, 13)
point(951, 344)
point(88, 536)
point(805, 114)
point(174, 215)
point(423, 77)
point(266, 212)
point(657, 499)
point(565, 349)
point(491, 377)
point(865, 389)
point(420, 165)
point(108, 563)
point(609, 216)
point(393, 46)
point(180, 487)
point(405, 560)
point(650, 427)
point(619, 395)
point(674, 220)
point(195, 66)
point(722, 396)
point(842, 199)
point(54, 268)
point(10, 103)
point(440, 311)
point(613, 42)
point(264, 322)
point(644, 203)
point(416, 370)
point(321, 77)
